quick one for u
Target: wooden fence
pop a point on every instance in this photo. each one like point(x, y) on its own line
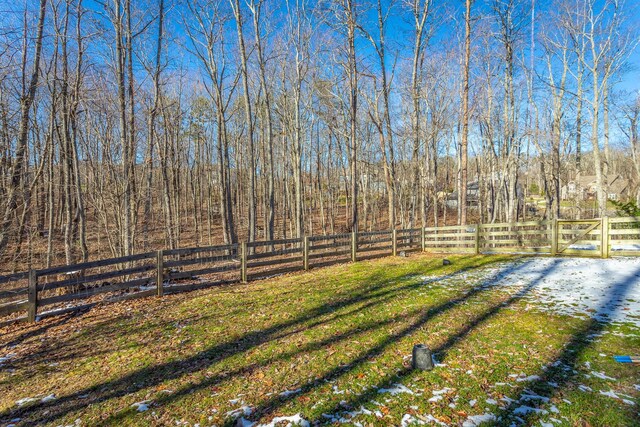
point(51, 291)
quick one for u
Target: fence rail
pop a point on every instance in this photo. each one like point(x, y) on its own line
point(62, 289)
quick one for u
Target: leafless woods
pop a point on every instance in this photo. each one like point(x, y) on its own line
point(133, 125)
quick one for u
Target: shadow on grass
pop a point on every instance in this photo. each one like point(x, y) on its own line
point(375, 291)
point(38, 330)
point(550, 382)
point(271, 405)
point(268, 408)
point(561, 372)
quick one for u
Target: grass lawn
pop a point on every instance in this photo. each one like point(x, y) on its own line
point(330, 345)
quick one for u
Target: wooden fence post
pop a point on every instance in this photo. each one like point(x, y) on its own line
point(554, 237)
point(354, 246)
point(604, 236)
point(305, 252)
point(160, 272)
point(394, 242)
point(477, 239)
point(423, 243)
point(32, 308)
point(243, 262)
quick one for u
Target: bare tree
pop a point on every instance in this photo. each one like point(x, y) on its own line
point(26, 101)
point(462, 192)
point(251, 194)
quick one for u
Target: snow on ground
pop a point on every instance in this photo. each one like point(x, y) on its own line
point(293, 420)
point(25, 400)
point(290, 392)
point(396, 389)
point(476, 420)
point(141, 406)
point(606, 289)
point(6, 358)
point(49, 398)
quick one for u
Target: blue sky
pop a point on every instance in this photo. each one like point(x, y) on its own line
point(399, 34)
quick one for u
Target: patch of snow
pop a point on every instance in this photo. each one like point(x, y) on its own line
point(529, 378)
point(476, 420)
point(362, 410)
point(141, 406)
point(244, 410)
point(293, 420)
point(437, 364)
point(348, 416)
point(602, 376)
point(530, 395)
point(6, 358)
point(583, 387)
point(492, 401)
point(290, 392)
point(584, 247)
point(243, 422)
point(48, 398)
point(408, 420)
point(437, 394)
point(610, 393)
point(472, 402)
point(336, 390)
point(396, 389)
point(607, 290)
point(25, 400)
point(524, 410)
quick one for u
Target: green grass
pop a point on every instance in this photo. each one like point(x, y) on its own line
point(337, 335)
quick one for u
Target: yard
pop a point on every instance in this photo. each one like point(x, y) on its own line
point(516, 339)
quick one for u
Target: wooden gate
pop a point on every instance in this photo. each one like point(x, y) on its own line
point(584, 237)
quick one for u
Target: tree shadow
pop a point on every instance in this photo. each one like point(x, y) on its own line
point(375, 291)
point(550, 381)
point(267, 408)
point(271, 405)
point(39, 329)
point(376, 288)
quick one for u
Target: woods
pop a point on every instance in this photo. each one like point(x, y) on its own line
point(128, 126)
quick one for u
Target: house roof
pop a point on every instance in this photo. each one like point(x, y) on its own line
point(615, 182)
point(619, 186)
